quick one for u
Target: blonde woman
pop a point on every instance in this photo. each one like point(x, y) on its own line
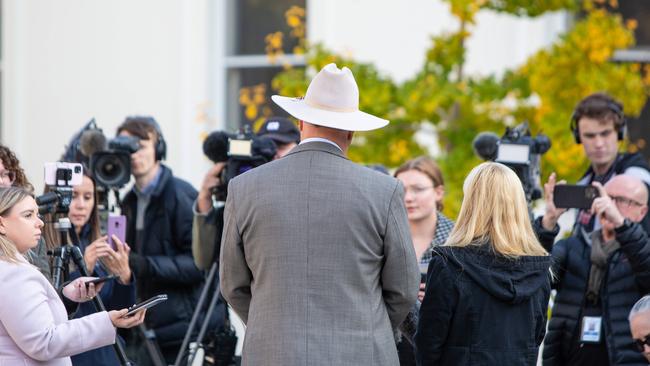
point(488, 286)
point(34, 325)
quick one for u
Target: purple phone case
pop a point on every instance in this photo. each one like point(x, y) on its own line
point(116, 226)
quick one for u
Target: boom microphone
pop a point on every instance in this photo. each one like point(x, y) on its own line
point(92, 141)
point(485, 145)
point(215, 146)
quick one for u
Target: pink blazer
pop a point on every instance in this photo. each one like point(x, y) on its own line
point(34, 325)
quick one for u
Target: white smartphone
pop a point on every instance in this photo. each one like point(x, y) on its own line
point(63, 174)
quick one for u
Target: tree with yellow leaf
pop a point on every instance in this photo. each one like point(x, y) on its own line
point(542, 92)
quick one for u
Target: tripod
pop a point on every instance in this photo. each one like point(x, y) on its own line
point(62, 256)
point(227, 348)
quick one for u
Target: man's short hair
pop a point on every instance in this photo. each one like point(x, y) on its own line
point(141, 127)
point(601, 107)
point(641, 306)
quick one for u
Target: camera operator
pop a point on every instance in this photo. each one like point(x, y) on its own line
point(598, 123)
point(208, 220)
point(159, 221)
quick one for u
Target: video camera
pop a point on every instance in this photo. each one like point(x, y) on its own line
point(518, 150)
point(112, 167)
point(109, 161)
point(242, 152)
point(60, 177)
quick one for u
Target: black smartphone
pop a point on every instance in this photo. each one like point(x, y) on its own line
point(574, 196)
point(99, 280)
point(146, 304)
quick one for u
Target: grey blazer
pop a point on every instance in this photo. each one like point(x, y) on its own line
point(317, 259)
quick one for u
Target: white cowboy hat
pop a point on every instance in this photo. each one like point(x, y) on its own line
point(332, 100)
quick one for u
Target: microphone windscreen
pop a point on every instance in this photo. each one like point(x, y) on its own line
point(215, 146)
point(92, 141)
point(485, 145)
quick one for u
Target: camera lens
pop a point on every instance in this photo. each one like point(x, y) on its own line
point(112, 169)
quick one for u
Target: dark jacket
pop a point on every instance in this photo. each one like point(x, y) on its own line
point(482, 309)
point(114, 295)
point(622, 165)
point(626, 281)
point(165, 264)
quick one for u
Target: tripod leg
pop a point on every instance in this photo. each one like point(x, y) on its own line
point(195, 317)
point(149, 338)
point(206, 323)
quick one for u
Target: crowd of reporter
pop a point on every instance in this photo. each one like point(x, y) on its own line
point(486, 279)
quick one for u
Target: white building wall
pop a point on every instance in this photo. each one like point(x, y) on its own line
point(66, 62)
point(396, 34)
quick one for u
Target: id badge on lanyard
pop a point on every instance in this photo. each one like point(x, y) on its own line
point(591, 329)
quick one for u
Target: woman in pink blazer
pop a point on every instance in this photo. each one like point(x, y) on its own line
point(34, 327)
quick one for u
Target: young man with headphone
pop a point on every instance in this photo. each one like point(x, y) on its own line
point(159, 227)
point(598, 123)
point(602, 269)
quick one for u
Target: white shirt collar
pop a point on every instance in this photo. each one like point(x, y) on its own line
point(311, 139)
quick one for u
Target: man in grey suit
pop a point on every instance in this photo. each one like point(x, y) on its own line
point(316, 255)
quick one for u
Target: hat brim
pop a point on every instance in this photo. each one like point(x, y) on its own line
point(347, 121)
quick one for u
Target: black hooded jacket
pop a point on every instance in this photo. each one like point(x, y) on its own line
point(482, 309)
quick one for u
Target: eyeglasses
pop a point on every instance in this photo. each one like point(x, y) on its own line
point(8, 176)
point(416, 190)
point(640, 343)
point(625, 202)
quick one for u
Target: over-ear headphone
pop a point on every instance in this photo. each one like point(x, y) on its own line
point(161, 146)
point(614, 107)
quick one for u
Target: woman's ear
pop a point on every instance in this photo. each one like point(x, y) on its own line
point(439, 192)
point(3, 227)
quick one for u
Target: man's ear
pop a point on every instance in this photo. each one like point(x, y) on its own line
point(300, 125)
point(350, 136)
point(644, 211)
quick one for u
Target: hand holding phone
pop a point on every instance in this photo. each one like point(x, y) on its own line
point(116, 226)
point(146, 304)
point(574, 196)
point(99, 280)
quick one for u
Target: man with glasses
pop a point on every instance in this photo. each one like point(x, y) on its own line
point(598, 278)
point(640, 325)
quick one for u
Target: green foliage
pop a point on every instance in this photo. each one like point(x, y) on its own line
point(542, 92)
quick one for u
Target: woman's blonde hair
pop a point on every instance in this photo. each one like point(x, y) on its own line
point(9, 197)
point(494, 211)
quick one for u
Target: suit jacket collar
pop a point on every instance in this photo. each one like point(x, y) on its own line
point(318, 146)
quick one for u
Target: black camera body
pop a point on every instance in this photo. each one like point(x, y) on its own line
point(518, 150)
point(112, 167)
point(241, 152)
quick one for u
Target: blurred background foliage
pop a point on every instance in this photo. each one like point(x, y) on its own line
point(457, 106)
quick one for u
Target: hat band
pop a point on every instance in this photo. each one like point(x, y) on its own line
point(328, 108)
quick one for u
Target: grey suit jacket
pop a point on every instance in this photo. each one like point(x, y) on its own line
point(317, 259)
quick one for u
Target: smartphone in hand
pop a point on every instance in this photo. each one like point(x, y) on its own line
point(146, 304)
point(99, 280)
point(574, 196)
point(116, 226)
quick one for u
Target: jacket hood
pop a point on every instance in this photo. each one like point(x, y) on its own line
point(509, 280)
